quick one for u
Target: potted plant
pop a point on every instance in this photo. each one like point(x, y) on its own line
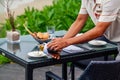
point(12, 35)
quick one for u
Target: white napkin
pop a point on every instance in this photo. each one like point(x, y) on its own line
point(73, 49)
point(45, 49)
point(69, 49)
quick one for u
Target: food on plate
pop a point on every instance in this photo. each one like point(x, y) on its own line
point(36, 54)
point(46, 35)
point(43, 35)
point(39, 35)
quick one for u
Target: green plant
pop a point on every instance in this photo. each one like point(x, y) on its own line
point(2, 32)
point(3, 59)
point(10, 24)
point(61, 15)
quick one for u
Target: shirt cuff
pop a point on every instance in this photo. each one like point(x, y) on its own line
point(83, 11)
point(107, 18)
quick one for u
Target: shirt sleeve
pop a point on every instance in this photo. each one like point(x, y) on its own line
point(83, 8)
point(110, 11)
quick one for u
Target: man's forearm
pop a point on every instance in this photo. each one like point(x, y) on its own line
point(76, 26)
point(91, 34)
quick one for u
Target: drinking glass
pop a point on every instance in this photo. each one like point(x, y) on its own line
point(51, 30)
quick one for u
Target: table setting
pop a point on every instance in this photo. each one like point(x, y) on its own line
point(44, 38)
point(32, 56)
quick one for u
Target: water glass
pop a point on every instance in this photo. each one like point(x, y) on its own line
point(51, 30)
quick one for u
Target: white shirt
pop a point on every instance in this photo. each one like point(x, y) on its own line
point(104, 11)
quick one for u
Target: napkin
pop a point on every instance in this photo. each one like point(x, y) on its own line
point(73, 49)
point(45, 49)
point(69, 49)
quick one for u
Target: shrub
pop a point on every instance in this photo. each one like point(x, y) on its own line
point(61, 15)
point(4, 59)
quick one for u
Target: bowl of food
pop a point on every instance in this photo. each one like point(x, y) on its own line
point(39, 36)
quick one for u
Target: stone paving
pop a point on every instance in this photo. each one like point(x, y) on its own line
point(17, 72)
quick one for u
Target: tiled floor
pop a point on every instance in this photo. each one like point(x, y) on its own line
point(16, 72)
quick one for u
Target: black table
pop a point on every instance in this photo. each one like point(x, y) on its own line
point(18, 53)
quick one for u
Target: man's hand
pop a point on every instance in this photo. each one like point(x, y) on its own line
point(57, 44)
point(55, 55)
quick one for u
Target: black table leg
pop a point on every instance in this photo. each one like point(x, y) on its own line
point(72, 71)
point(28, 73)
point(64, 71)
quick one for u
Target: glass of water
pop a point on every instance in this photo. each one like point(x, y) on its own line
point(51, 31)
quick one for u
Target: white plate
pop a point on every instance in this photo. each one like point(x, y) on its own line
point(36, 54)
point(73, 49)
point(97, 43)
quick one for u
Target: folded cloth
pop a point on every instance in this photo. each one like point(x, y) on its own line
point(45, 49)
point(69, 49)
point(73, 49)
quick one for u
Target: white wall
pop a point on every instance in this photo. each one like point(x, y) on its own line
point(37, 4)
point(17, 3)
point(13, 4)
